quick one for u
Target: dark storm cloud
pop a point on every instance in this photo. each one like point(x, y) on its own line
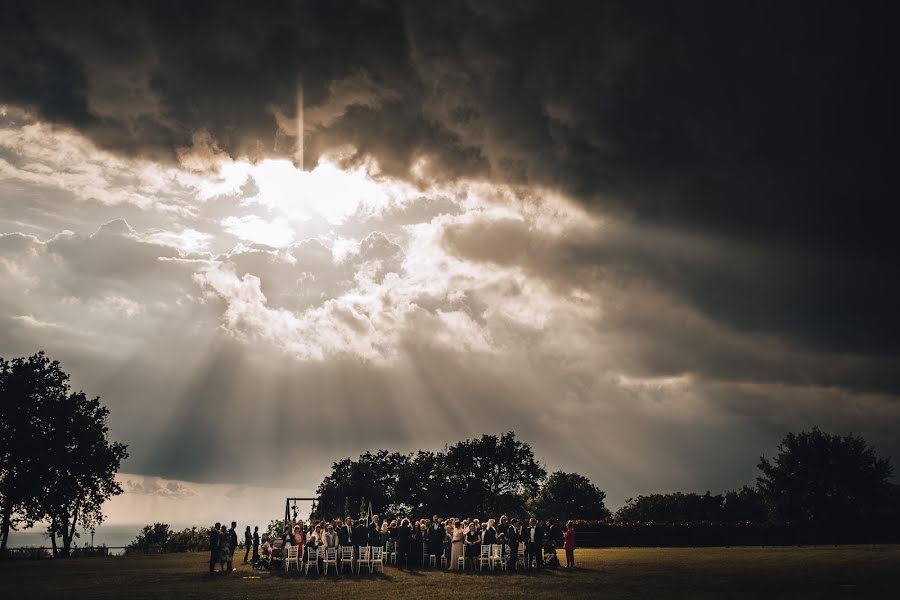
point(769, 126)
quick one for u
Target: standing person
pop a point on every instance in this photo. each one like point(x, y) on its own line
point(232, 545)
point(214, 547)
point(373, 532)
point(489, 537)
point(256, 544)
point(513, 536)
point(569, 544)
point(248, 542)
point(473, 544)
point(224, 550)
point(534, 545)
point(331, 538)
point(436, 535)
point(456, 546)
point(360, 538)
point(403, 533)
point(345, 533)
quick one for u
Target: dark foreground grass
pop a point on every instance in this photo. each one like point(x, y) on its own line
point(623, 573)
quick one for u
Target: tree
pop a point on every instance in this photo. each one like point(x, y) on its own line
point(155, 535)
point(490, 475)
point(57, 463)
point(81, 466)
point(483, 476)
point(26, 386)
point(570, 496)
point(373, 477)
point(819, 478)
point(672, 508)
point(744, 504)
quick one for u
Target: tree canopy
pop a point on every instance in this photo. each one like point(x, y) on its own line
point(58, 464)
point(822, 478)
point(570, 495)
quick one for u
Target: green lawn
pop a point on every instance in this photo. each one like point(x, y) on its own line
point(769, 573)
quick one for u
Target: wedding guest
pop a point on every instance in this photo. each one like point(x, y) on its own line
point(501, 529)
point(383, 534)
point(534, 545)
point(255, 543)
point(473, 544)
point(403, 534)
point(298, 538)
point(489, 537)
point(373, 532)
point(513, 537)
point(569, 544)
point(457, 548)
point(232, 544)
point(224, 550)
point(331, 538)
point(345, 533)
point(214, 547)
point(248, 542)
point(417, 548)
point(446, 542)
point(436, 535)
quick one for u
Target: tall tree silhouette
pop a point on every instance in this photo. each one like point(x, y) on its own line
point(819, 478)
point(26, 384)
point(60, 451)
point(570, 496)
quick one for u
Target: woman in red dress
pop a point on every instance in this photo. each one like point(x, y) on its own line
point(569, 544)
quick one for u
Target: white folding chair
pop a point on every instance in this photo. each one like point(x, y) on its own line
point(376, 561)
point(312, 560)
point(365, 559)
point(461, 563)
point(496, 556)
point(391, 554)
point(521, 556)
point(330, 558)
point(346, 558)
point(291, 557)
point(484, 557)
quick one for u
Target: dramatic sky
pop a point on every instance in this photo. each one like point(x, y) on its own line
point(649, 238)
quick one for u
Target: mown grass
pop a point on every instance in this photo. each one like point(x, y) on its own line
point(622, 573)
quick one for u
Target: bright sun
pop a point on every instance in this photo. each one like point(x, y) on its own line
point(282, 197)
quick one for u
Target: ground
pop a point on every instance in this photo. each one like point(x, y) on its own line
point(622, 573)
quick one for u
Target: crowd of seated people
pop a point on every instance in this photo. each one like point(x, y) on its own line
point(452, 544)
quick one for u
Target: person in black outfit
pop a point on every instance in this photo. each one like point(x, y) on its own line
point(232, 543)
point(512, 544)
point(345, 533)
point(418, 545)
point(436, 535)
point(555, 536)
point(214, 547)
point(403, 534)
point(255, 545)
point(373, 532)
point(534, 545)
point(248, 541)
point(360, 538)
point(473, 544)
point(489, 537)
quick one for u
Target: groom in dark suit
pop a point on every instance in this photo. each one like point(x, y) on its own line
point(513, 536)
point(534, 545)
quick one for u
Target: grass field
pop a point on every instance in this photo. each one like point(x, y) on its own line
point(624, 573)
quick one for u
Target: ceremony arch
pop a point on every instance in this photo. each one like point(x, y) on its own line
point(287, 507)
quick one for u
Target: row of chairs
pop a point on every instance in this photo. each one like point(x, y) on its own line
point(370, 557)
point(491, 555)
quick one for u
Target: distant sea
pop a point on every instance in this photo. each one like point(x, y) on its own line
point(110, 535)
